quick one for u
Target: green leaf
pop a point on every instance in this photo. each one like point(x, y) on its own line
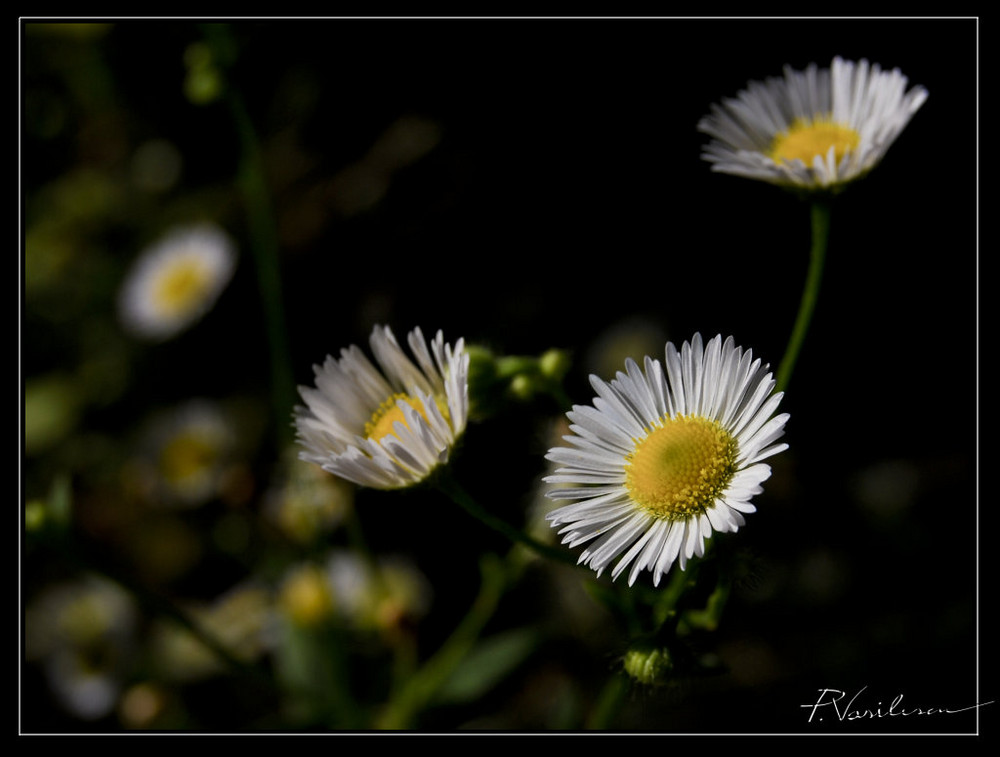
point(488, 664)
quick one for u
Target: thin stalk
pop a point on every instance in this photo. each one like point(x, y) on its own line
point(452, 489)
point(820, 213)
point(666, 605)
point(264, 243)
point(609, 703)
point(421, 687)
point(252, 182)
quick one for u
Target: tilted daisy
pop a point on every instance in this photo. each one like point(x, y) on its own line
point(176, 281)
point(812, 129)
point(666, 456)
point(386, 429)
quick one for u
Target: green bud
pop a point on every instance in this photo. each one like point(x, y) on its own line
point(522, 387)
point(203, 84)
point(197, 55)
point(554, 364)
point(649, 666)
point(34, 515)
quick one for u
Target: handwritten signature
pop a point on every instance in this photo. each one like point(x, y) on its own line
point(852, 709)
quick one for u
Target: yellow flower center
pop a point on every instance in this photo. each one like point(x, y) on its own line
point(181, 286)
point(306, 596)
point(186, 456)
point(804, 140)
point(681, 467)
point(385, 417)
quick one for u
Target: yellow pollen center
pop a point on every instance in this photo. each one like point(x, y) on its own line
point(804, 140)
point(385, 417)
point(681, 467)
point(186, 456)
point(180, 286)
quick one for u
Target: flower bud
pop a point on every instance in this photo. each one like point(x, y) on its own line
point(648, 665)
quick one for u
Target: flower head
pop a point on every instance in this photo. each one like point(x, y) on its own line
point(176, 281)
point(386, 429)
point(188, 451)
point(813, 129)
point(666, 456)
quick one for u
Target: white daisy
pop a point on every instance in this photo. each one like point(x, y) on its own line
point(812, 129)
point(666, 456)
point(391, 428)
point(176, 281)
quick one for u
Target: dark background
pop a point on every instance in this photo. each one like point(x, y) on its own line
point(566, 195)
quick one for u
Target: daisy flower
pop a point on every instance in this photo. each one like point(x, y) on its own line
point(176, 281)
point(386, 429)
point(188, 450)
point(812, 129)
point(666, 456)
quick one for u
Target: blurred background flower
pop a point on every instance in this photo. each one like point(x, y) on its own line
point(176, 281)
point(186, 454)
point(84, 633)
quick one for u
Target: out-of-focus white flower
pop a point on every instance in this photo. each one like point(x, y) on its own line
point(176, 281)
point(188, 450)
point(82, 634)
point(376, 595)
point(305, 502)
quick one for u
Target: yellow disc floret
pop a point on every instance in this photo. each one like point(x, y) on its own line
point(681, 467)
point(181, 286)
point(804, 140)
point(385, 416)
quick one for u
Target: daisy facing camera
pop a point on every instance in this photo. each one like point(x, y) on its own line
point(666, 456)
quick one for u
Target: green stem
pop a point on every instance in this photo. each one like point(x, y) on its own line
point(451, 488)
point(709, 617)
point(251, 179)
point(666, 604)
point(608, 704)
point(421, 687)
point(820, 212)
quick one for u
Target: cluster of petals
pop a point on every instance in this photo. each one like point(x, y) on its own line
point(716, 381)
point(873, 103)
point(349, 390)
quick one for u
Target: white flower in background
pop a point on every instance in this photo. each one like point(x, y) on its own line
point(304, 502)
point(812, 129)
point(176, 281)
point(391, 428)
point(82, 633)
point(666, 456)
point(188, 451)
point(379, 594)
